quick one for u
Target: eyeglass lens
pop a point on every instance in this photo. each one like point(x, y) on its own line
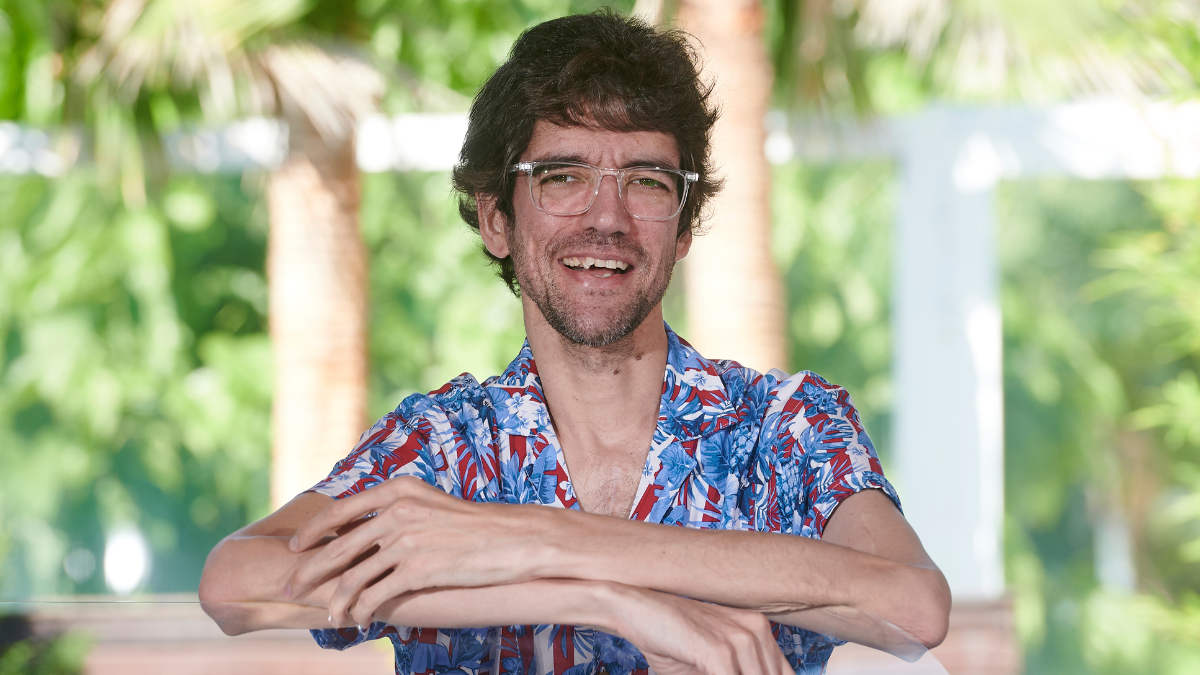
point(568, 189)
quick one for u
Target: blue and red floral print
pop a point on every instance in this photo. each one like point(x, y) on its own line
point(734, 449)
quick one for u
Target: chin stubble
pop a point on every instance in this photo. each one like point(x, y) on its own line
point(574, 328)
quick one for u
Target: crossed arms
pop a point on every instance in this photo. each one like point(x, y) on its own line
point(430, 559)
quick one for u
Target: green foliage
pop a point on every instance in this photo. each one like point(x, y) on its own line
point(134, 380)
point(450, 44)
point(135, 370)
point(831, 242)
point(1099, 321)
point(61, 655)
point(857, 56)
point(437, 309)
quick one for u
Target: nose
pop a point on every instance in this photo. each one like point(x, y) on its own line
point(608, 213)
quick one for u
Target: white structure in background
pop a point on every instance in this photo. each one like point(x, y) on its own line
point(126, 560)
point(412, 142)
point(949, 417)
point(252, 143)
point(27, 150)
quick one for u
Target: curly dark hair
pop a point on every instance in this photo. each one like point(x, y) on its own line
point(598, 69)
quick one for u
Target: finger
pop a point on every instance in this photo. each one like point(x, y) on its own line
point(768, 647)
point(748, 653)
point(337, 515)
point(773, 659)
point(727, 661)
point(355, 580)
point(770, 656)
point(782, 664)
point(338, 555)
point(353, 525)
point(383, 588)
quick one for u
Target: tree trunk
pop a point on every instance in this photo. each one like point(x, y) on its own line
point(317, 268)
point(734, 296)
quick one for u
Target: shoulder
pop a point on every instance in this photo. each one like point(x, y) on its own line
point(459, 402)
point(802, 412)
point(422, 437)
point(813, 393)
point(775, 390)
point(454, 405)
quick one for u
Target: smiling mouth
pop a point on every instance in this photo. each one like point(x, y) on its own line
point(606, 267)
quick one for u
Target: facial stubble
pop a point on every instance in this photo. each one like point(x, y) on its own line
point(571, 323)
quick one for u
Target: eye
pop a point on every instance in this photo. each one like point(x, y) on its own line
point(648, 180)
point(556, 174)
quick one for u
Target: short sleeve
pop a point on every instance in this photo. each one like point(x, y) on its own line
point(342, 639)
point(819, 430)
point(399, 444)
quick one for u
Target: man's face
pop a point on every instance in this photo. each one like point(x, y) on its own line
point(597, 305)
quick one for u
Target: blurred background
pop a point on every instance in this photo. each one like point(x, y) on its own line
point(228, 242)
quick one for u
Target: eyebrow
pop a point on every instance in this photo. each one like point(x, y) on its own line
point(660, 162)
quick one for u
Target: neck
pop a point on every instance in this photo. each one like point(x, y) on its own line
point(593, 391)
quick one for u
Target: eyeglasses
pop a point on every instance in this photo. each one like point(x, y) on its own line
point(570, 188)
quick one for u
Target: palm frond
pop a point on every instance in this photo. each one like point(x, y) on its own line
point(975, 51)
point(332, 91)
point(233, 57)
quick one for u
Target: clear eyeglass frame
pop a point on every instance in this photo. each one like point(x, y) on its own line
point(686, 179)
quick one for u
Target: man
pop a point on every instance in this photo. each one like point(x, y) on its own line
point(585, 170)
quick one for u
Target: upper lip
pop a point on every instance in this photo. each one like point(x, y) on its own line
point(621, 261)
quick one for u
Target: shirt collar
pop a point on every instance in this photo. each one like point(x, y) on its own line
point(695, 399)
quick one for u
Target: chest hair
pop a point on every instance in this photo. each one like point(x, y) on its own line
point(606, 480)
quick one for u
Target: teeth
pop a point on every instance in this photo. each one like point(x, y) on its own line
point(589, 262)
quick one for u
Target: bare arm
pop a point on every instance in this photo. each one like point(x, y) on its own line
point(869, 581)
point(869, 523)
point(243, 580)
point(243, 588)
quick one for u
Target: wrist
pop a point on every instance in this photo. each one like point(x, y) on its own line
point(615, 603)
point(551, 544)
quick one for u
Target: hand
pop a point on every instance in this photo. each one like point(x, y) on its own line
point(420, 538)
point(679, 636)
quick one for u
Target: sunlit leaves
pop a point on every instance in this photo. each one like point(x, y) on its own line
point(1096, 282)
point(188, 206)
point(830, 239)
point(890, 56)
point(105, 392)
point(437, 308)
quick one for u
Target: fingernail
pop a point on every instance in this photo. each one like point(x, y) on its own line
point(287, 591)
point(331, 623)
point(294, 544)
point(360, 628)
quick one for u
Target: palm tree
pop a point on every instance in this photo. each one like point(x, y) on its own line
point(820, 52)
point(236, 60)
point(735, 300)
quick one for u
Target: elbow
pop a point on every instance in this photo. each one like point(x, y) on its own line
point(930, 620)
point(219, 597)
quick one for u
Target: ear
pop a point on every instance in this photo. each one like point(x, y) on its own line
point(683, 244)
point(493, 225)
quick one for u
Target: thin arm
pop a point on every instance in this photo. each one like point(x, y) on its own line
point(869, 576)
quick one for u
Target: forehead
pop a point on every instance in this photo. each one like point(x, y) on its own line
point(601, 147)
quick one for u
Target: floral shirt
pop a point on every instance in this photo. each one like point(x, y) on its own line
point(734, 449)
